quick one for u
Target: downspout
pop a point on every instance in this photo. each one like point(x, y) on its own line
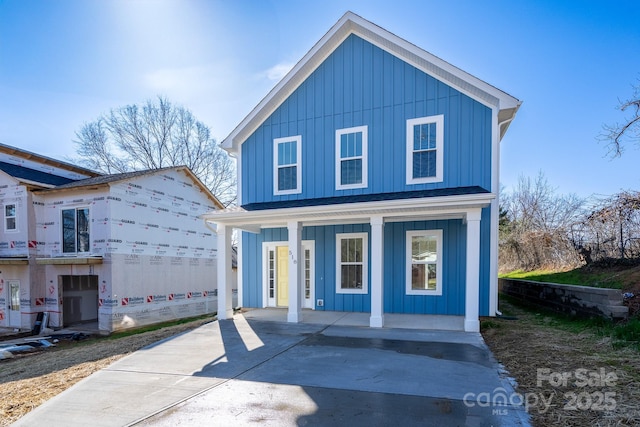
point(497, 202)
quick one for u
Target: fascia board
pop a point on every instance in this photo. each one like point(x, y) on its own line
point(395, 208)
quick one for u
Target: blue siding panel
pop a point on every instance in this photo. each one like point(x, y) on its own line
point(360, 84)
point(451, 302)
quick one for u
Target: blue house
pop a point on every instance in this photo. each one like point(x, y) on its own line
point(368, 182)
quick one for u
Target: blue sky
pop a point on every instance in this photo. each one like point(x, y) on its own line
point(65, 62)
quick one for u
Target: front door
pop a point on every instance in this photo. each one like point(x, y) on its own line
point(282, 274)
point(14, 303)
point(276, 274)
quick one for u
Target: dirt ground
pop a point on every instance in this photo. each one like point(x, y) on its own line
point(569, 379)
point(29, 380)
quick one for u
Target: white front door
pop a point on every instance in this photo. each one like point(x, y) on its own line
point(13, 286)
point(276, 274)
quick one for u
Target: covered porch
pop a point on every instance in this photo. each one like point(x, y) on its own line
point(377, 213)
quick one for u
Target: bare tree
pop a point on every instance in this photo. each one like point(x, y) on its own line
point(616, 136)
point(612, 228)
point(153, 135)
point(536, 226)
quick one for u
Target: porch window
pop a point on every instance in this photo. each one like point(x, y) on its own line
point(10, 218)
point(271, 267)
point(75, 230)
point(307, 274)
point(352, 263)
point(425, 149)
point(287, 169)
point(424, 262)
point(351, 158)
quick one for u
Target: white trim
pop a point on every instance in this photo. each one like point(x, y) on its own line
point(225, 291)
point(238, 157)
point(15, 229)
point(376, 320)
point(472, 281)
point(365, 263)
point(298, 164)
point(411, 123)
point(349, 212)
point(239, 265)
point(310, 302)
point(495, 215)
point(364, 157)
point(294, 314)
point(437, 234)
point(268, 246)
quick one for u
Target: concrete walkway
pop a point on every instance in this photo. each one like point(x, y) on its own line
point(247, 371)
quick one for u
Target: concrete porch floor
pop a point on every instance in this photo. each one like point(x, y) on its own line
point(341, 318)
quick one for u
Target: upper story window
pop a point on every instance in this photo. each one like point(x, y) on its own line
point(425, 149)
point(351, 158)
point(287, 170)
point(352, 263)
point(10, 218)
point(424, 262)
point(75, 230)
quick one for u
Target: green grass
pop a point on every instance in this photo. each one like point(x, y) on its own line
point(155, 327)
point(578, 276)
point(623, 333)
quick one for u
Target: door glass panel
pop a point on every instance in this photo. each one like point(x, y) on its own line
point(15, 296)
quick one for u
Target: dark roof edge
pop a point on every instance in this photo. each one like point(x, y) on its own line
point(359, 198)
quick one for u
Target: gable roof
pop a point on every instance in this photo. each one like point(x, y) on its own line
point(350, 23)
point(105, 180)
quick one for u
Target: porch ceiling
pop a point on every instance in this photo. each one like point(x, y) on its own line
point(449, 207)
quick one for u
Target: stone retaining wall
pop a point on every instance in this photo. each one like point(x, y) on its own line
point(582, 301)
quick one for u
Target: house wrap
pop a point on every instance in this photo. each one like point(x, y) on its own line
point(121, 250)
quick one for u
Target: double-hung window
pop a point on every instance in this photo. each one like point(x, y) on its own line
point(425, 149)
point(424, 262)
point(352, 263)
point(351, 158)
point(287, 169)
point(10, 218)
point(75, 231)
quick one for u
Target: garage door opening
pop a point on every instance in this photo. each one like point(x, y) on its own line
point(79, 299)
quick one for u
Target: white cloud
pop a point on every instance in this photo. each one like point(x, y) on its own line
point(278, 71)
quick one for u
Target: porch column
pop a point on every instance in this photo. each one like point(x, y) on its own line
point(377, 271)
point(472, 294)
point(225, 279)
point(295, 271)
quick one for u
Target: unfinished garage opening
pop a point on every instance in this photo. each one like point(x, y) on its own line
point(80, 298)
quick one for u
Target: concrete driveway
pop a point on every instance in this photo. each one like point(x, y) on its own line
point(263, 372)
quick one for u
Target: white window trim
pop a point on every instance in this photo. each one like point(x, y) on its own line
point(365, 157)
point(365, 263)
point(408, 278)
point(298, 164)
point(4, 216)
point(74, 208)
point(439, 121)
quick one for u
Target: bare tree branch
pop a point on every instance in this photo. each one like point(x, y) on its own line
point(153, 135)
point(618, 135)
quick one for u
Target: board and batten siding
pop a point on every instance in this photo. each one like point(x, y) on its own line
point(360, 84)
point(396, 300)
